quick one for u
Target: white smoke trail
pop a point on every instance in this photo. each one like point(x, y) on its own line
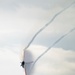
point(57, 14)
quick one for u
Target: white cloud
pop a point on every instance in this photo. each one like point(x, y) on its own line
point(56, 62)
point(9, 63)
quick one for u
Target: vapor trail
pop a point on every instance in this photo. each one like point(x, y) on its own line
point(52, 46)
point(57, 14)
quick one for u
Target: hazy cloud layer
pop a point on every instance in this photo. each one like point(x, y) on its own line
point(46, 4)
point(18, 27)
point(57, 61)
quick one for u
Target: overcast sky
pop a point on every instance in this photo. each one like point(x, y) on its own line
point(21, 19)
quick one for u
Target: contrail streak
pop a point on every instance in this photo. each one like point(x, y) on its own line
point(57, 14)
point(52, 46)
